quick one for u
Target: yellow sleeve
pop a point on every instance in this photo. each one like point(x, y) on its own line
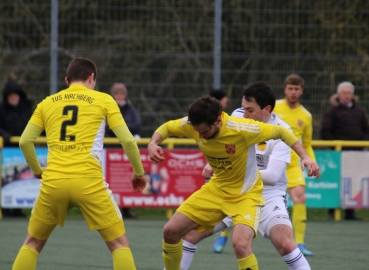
point(257, 132)
point(37, 116)
point(130, 148)
point(114, 117)
point(284, 134)
point(307, 137)
point(163, 130)
point(179, 128)
point(27, 145)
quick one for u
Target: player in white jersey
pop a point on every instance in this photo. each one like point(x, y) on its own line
point(272, 158)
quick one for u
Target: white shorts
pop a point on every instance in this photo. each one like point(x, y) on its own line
point(273, 213)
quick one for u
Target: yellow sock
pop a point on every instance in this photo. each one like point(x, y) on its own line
point(123, 259)
point(26, 259)
point(299, 222)
point(225, 233)
point(172, 255)
point(248, 263)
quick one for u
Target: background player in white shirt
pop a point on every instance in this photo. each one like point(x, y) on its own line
point(272, 158)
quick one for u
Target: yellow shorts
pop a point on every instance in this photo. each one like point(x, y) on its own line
point(92, 196)
point(207, 208)
point(295, 176)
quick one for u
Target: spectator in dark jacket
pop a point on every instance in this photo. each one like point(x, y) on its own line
point(15, 111)
point(345, 120)
point(130, 114)
point(131, 117)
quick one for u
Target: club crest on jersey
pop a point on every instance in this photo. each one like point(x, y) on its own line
point(230, 148)
point(262, 146)
point(300, 123)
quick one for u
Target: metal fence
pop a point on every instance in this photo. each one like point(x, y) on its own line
point(163, 50)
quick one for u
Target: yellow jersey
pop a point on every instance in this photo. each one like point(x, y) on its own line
point(74, 120)
point(301, 122)
point(231, 153)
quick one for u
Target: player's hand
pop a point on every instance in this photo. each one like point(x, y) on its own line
point(138, 182)
point(312, 167)
point(156, 153)
point(39, 176)
point(207, 172)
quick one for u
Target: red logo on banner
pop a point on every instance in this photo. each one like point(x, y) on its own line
point(168, 183)
point(230, 148)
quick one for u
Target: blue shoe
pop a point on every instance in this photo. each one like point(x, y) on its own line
point(220, 244)
point(304, 250)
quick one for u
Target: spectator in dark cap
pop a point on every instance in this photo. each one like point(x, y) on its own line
point(221, 96)
point(15, 111)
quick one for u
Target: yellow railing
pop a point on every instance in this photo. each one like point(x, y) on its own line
point(170, 143)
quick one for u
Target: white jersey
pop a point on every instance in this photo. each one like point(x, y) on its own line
point(269, 150)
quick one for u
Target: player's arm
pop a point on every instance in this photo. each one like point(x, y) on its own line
point(27, 145)
point(289, 139)
point(273, 172)
point(155, 151)
point(131, 150)
point(130, 147)
point(279, 132)
point(278, 160)
point(178, 128)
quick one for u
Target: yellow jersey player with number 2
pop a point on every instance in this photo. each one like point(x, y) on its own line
point(74, 120)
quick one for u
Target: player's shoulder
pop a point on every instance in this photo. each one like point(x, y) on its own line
point(280, 105)
point(277, 121)
point(98, 95)
point(279, 101)
point(305, 111)
point(239, 112)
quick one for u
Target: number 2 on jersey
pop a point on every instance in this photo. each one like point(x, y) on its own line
point(70, 122)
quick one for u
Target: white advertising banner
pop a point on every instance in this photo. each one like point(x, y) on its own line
point(355, 179)
point(19, 188)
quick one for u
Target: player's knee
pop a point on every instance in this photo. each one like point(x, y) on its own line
point(300, 199)
point(287, 245)
point(34, 243)
point(194, 237)
point(120, 242)
point(298, 194)
point(170, 234)
point(242, 248)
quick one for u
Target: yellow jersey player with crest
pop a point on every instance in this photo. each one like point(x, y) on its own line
point(228, 144)
point(299, 119)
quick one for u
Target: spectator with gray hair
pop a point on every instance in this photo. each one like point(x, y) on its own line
point(130, 114)
point(132, 118)
point(345, 120)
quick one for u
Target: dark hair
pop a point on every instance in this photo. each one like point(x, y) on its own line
point(262, 92)
point(205, 109)
point(79, 69)
point(294, 79)
point(218, 94)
